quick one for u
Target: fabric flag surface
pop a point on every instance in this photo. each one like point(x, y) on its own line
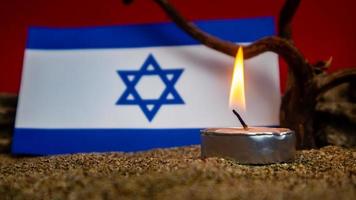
point(136, 87)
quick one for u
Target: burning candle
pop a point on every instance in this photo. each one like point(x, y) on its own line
point(247, 145)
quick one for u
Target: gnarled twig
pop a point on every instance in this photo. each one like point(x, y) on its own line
point(285, 18)
point(295, 60)
point(325, 83)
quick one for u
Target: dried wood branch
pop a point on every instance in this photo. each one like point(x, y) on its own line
point(8, 103)
point(343, 108)
point(326, 82)
point(213, 42)
point(295, 60)
point(321, 66)
point(285, 18)
point(301, 71)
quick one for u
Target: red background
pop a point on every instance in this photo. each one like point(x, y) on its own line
point(321, 28)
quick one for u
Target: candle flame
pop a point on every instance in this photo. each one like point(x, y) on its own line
point(237, 91)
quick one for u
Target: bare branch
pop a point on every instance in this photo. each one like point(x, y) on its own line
point(298, 65)
point(127, 1)
point(321, 66)
point(226, 47)
point(336, 108)
point(285, 18)
point(325, 83)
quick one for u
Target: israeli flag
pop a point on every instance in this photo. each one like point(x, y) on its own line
point(136, 87)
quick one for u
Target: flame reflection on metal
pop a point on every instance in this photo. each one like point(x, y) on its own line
point(260, 147)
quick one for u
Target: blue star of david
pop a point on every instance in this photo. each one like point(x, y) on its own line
point(150, 107)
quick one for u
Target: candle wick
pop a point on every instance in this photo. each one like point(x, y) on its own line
point(240, 119)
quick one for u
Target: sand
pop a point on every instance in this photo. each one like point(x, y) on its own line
point(178, 173)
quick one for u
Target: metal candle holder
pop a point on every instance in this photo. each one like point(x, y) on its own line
point(249, 145)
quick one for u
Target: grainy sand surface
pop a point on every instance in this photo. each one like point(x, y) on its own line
point(179, 173)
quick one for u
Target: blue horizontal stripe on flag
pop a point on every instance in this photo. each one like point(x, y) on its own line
point(146, 35)
point(61, 141)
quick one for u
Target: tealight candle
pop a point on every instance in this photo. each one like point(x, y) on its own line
point(247, 145)
point(254, 145)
